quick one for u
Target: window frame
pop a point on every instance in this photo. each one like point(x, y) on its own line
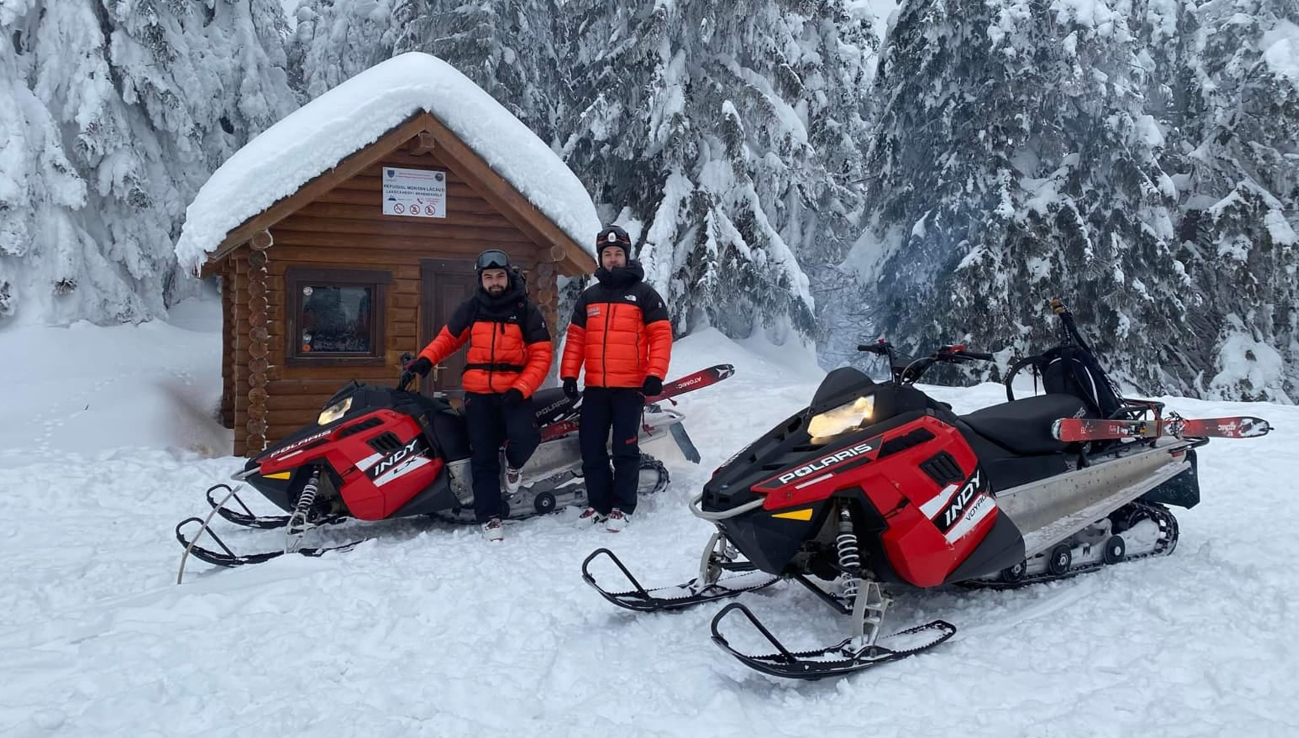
point(295, 277)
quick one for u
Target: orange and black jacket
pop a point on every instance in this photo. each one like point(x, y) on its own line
point(620, 331)
point(509, 345)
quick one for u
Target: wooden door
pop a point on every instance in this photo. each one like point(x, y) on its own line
point(444, 284)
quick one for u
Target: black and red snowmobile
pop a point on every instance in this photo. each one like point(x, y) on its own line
point(877, 484)
point(377, 453)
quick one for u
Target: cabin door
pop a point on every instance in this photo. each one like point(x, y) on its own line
point(444, 284)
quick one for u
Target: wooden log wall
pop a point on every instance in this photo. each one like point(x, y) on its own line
point(258, 340)
point(239, 259)
point(227, 344)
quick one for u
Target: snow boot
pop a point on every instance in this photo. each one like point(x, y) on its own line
point(617, 521)
point(513, 478)
point(590, 517)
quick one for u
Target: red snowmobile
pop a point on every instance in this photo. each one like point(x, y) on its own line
point(879, 484)
point(376, 453)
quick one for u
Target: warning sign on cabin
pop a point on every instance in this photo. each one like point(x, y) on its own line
point(420, 193)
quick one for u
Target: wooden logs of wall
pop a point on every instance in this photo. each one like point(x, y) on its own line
point(227, 275)
point(258, 335)
point(547, 294)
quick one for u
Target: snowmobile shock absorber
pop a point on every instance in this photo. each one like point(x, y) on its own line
point(849, 559)
point(298, 525)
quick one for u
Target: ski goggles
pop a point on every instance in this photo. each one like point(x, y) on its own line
point(493, 259)
point(613, 237)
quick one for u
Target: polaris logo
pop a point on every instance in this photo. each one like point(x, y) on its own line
point(553, 406)
point(961, 499)
point(393, 460)
point(826, 462)
point(303, 442)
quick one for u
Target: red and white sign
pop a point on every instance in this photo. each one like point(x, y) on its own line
point(415, 193)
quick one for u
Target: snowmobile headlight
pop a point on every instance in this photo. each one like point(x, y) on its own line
point(846, 417)
point(334, 412)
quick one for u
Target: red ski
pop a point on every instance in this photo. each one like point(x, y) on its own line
point(692, 382)
point(688, 383)
point(1072, 430)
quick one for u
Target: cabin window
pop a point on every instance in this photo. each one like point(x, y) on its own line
point(335, 316)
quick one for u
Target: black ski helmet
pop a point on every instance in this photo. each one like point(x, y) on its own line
point(612, 235)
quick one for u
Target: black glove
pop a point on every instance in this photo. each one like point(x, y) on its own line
point(570, 387)
point(653, 386)
point(420, 366)
point(512, 397)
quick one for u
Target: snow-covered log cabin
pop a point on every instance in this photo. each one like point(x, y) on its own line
point(345, 235)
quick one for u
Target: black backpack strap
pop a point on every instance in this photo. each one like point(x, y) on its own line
point(1037, 362)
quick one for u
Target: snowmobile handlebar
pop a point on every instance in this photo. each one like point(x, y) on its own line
point(407, 376)
point(907, 370)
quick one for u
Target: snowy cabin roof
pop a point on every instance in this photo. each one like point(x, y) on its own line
point(314, 139)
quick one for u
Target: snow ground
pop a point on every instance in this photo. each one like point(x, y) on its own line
point(432, 632)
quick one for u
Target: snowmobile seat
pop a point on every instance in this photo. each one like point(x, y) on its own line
point(1024, 426)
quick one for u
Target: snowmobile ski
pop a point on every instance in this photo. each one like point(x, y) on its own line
point(846, 657)
point(1072, 430)
point(228, 558)
point(744, 577)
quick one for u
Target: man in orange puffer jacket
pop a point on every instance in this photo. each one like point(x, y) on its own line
point(621, 332)
point(509, 355)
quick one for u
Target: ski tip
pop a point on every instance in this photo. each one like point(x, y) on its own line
point(1255, 427)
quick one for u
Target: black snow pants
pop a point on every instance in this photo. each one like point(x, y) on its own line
point(490, 423)
point(619, 409)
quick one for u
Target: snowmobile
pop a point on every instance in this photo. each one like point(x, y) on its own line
point(877, 484)
point(376, 453)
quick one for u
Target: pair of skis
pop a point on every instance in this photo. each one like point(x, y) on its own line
point(1076, 430)
point(688, 383)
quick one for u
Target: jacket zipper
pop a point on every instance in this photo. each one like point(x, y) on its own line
point(491, 361)
point(604, 352)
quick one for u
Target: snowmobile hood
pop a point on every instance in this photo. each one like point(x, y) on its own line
point(366, 398)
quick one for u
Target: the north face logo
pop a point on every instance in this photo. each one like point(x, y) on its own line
point(629, 298)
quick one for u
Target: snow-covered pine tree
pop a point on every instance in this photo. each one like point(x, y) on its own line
point(337, 39)
point(726, 137)
point(1018, 159)
point(1239, 191)
point(113, 116)
point(506, 47)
